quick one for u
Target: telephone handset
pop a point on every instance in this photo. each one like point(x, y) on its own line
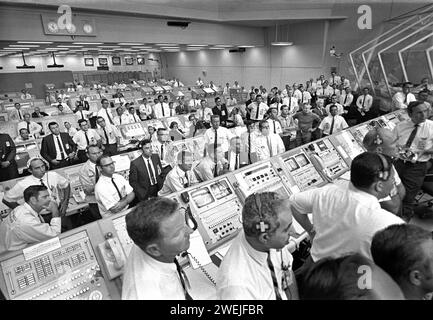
point(113, 256)
point(191, 257)
point(320, 165)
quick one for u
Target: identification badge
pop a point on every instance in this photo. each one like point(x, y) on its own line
point(287, 279)
point(67, 146)
point(223, 113)
point(8, 144)
point(159, 170)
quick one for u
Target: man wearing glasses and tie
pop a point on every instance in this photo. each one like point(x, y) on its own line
point(112, 192)
point(84, 138)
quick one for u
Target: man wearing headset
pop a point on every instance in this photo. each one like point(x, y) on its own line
point(346, 218)
point(258, 265)
point(58, 187)
point(384, 141)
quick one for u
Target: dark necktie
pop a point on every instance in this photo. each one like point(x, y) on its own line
point(290, 103)
point(274, 277)
point(363, 101)
point(150, 171)
point(182, 277)
point(162, 107)
point(215, 145)
point(106, 135)
point(108, 115)
point(237, 161)
point(249, 148)
point(59, 143)
point(405, 99)
point(19, 114)
point(332, 126)
point(117, 189)
point(87, 138)
point(257, 113)
point(96, 174)
point(275, 129)
point(186, 185)
point(28, 127)
point(345, 99)
point(162, 152)
point(412, 136)
point(82, 115)
point(42, 183)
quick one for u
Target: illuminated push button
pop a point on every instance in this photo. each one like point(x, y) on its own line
point(95, 295)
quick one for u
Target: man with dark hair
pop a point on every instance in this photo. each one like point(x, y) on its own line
point(267, 144)
point(161, 147)
point(221, 111)
point(110, 136)
point(258, 265)
point(58, 148)
point(346, 218)
point(161, 109)
point(159, 233)
point(25, 225)
point(257, 109)
point(405, 252)
point(307, 123)
point(105, 112)
point(84, 138)
point(34, 128)
point(217, 136)
point(112, 192)
point(339, 279)
point(24, 136)
point(145, 173)
point(401, 99)
point(333, 122)
point(38, 113)
point(415, 139)
point(89, 175)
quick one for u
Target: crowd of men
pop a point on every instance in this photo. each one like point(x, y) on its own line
point(347, 218)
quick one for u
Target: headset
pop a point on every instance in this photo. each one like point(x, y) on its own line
point(29, 162)
point(262, 225)
point(386, 171)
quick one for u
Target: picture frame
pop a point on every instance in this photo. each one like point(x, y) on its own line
point(103, 61)
point(129, 61)
point(116, 61)
point(140, 61)
point(88, 62)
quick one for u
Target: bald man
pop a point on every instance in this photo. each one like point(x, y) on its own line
point(382, 140)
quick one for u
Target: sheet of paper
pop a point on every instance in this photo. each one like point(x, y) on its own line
point(41, 248)
point(198, 250)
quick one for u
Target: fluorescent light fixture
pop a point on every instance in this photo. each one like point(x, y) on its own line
point(67, 46)
point(197, 45)
point(88, 43)
point(281, 43)
point(169, 47)
point(155, 50)
point(14, 49)
point(24, 46)
point(53, 49)
point(35, 42)
point(246, 46)
point(216, 48)
point(166, 44)
point(130, 44)
point(143, 48)
point(224, 45)
point(108, 46)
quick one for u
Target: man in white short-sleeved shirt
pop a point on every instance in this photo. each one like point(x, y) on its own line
point(25, 225)
point(112, 192)
point(332, 123)
point(258, 109)
point(258, 265)
point(346, 219)
point(58, 187)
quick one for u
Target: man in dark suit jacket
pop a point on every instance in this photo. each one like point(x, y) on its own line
point(8, 165)
point(67, 149)
point(221, 110)
point(145, 173)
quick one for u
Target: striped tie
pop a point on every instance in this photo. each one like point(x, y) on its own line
point(274, 277)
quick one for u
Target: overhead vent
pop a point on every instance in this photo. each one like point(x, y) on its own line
point(179, 24)
point(237, 50)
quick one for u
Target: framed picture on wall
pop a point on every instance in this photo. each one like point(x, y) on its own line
point(129, 61)
point(88, 62)
point(140, 60)
point(116, 61)
point(103, 61)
